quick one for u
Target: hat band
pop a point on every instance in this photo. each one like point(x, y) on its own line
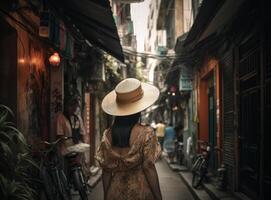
point(130, 97)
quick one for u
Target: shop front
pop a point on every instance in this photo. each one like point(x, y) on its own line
point(209, 109)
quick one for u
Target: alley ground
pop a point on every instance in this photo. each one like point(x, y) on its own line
point(171, 185)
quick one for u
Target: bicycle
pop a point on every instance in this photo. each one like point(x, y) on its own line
point(55, 183)
point(51, 174)
point(76, 175)
point(200, 164)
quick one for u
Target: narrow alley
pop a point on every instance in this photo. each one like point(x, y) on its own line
point(171, 185)
point(92, 86)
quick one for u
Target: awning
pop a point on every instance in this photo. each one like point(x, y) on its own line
point(94, 20)
point(206, 13)
point(212, 17)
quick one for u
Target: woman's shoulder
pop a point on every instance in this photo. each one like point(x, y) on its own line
point(146, 128)
point(106, 132)
point(147, 131)
point(106, 137)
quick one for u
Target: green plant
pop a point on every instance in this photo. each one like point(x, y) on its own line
point(16, 165)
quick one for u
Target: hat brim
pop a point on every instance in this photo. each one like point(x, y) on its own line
point(111, 107)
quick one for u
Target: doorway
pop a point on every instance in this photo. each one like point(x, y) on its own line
point(209, 110)
point(212, 122)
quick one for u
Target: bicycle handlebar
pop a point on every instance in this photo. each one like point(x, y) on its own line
point(57, 141)
point(206, 145)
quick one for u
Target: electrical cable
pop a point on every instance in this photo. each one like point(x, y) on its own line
point(156, 56)
point(147, 54)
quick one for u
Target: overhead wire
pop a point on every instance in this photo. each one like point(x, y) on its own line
point(155, 56)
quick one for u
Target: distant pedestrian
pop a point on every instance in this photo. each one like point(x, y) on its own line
point(179, 131)
point(129, 149)
point(68, 124)
point(169, 141)
point(160, 132)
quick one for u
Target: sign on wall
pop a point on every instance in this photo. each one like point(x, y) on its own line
point(57, 94)
point(185, 81)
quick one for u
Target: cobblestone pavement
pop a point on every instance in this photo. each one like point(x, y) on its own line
point(171, 185)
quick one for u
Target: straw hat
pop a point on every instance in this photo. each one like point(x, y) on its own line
point(129, 97)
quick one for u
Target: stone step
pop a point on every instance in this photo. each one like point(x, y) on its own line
point(208, 189)
point(198, 194)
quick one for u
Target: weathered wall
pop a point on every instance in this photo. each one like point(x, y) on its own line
point(32, 83)
point(8, 65)
point(179, 18)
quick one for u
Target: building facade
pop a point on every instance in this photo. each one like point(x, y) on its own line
point(231, 76)
point(122, 15)
point(35, 88)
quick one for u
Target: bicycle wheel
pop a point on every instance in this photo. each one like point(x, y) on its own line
point(61, 184)
point(196, 163)
point(47, 183)
point(198, 174)
point(66, 195)
point(79, 183)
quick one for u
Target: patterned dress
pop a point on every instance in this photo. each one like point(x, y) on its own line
point(128, 181)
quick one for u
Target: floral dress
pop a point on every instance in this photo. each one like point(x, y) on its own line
point(128, 181)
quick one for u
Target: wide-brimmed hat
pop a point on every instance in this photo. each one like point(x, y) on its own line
point(130, 96)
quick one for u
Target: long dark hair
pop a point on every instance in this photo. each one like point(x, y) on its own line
point(121, 129)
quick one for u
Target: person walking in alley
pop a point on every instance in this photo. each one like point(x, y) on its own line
point(169, 142)
point(128, 149)
point(160, 132)
point(69, 124)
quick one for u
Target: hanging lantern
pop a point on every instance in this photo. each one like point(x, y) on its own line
point(54, 59)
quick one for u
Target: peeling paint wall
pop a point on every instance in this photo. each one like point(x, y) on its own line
point(32, 82)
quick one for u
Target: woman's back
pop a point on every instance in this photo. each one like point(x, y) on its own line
point(128, 150)
point(127, 164)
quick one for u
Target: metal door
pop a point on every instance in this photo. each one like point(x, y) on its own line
point(249, 117)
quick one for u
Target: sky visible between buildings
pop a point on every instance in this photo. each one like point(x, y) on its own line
point(139, 14)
